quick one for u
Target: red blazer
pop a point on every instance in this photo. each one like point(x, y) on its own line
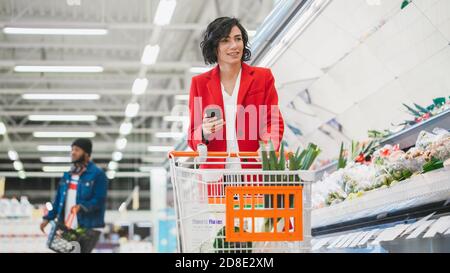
point(256, 89)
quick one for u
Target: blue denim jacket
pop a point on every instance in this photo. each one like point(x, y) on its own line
point(91, 196)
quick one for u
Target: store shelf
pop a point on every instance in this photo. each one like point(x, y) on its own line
point(430, 234)
point(407, 138)
point(19, 235)
point(417, 191)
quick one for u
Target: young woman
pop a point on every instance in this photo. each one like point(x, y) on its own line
point(234, 105)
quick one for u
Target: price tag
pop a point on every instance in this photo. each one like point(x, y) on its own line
point(351, 239)
point(417, 224)
point(390, 234)
point(358, 238)
point(440, 226)
point(321, 243)
point(343, 240)
point(420, 229)
point(332, 245)
point(368, 236)
point(447, 232)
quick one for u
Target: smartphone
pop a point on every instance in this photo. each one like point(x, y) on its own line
point(214, 112)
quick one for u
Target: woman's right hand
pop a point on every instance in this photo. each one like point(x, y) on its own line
point(211, 125)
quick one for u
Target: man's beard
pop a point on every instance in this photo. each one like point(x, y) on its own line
point(79, 164)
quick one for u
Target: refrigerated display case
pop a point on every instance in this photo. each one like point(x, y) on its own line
point(411, 216)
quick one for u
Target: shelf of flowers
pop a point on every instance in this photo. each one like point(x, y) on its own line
point(384, 180)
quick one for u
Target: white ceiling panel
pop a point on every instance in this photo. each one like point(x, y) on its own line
point(304, 119)
point(300, 68)
point(417, 53)
point(425, 4)
point(381, 42)
point(445, 29)
point(428, 80)
point(287, 92)
point(361, 73)
point(355, 123)
point(324, 43)
point(327, 92)
point(359, 18)
point(438, 13)
point(385, 106)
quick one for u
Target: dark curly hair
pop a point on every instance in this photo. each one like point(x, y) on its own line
point(218, 29)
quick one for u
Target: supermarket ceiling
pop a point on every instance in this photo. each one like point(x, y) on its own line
point(348, 66)
point(96, 94)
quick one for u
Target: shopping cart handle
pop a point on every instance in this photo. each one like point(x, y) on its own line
point(174, 154)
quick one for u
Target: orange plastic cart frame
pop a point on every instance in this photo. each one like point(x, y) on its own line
point(287, 213)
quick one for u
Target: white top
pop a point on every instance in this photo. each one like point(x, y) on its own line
point(230, 108)
point(71, 199)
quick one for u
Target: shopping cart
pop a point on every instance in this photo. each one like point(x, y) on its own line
point(235, 210)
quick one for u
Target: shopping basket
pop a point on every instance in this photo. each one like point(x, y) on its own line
point(236, 210)
point(62, 238)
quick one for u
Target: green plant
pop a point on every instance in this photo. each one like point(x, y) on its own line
point(221, 246)
point(374, 134)
point(342, 161)
point(305, 159)
point(74, 234)
point(412, 111)
point(360, 152)
point(297, 161)
point(405, 3)
point(433, 164)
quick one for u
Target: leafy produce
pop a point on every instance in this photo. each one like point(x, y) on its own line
point(433, 164)
point(221, 246)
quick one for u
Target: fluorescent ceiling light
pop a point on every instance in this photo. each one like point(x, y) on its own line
point(61, 69)
point(132, 109)
point(150, 54)
point(54, 148)
point(176, 118)
point(146, 169)
point(199, 70)
point(63, 134)
point(117, 156)
point(110, 174)
point(56, 159)
point(55, 168)
point(18, 166)
point(62, 117)
point(13, 155)
point(147, 159)
point(169, 135)
point(22, 174)
point(113, 165)
point(60, 96)
point(160, 148)
point(139, 86)
point(164, 12)
point(125, 128)
point(2, 128)
point(181, 97)
point(121, 143)
point(54, 31)
point(73, 2)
